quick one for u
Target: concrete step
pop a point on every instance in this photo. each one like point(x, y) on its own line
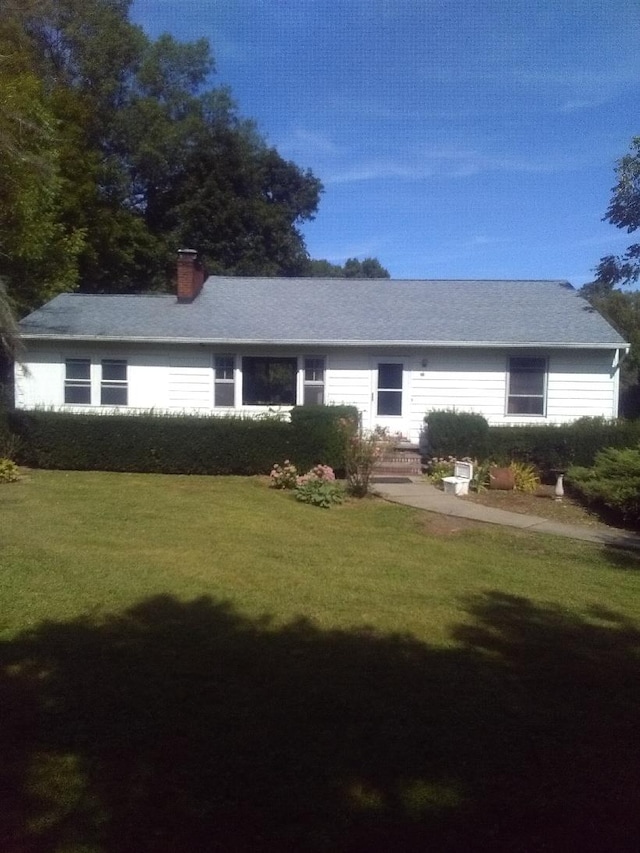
point(399, 462)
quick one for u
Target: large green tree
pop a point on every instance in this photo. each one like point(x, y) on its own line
point(149, 156)
point(10, 345)
point(622, 310)
point(353, 268)
point(624, 212)
point(367, 268)
point(38, 252)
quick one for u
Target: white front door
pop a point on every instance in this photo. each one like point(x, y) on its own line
point(390, 395)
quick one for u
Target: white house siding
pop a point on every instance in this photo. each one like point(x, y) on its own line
point(348, 380)
point(190, 382)
point(579, 383)
point(40, 382)
point(466, 380)
point(582, 384)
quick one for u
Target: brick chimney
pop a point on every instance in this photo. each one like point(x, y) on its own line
point(190, 275)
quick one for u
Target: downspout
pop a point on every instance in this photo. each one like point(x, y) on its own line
point(615, 370)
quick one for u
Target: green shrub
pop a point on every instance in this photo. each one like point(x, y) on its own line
point(481, 476)
point(318, 487)
point(525, 477)
point(178, 444)
point(613, 481)
point(284, 476)
point(321, 493)
point(318, 434)
point(362, 450)
point(150, 443)
point(437, 469)
point(9, 472)
point(451, 433)
point(548, 447)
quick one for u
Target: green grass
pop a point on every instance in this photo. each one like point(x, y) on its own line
point(193, 663)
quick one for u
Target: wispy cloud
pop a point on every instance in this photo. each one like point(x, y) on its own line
point(377, 169)
point(386, 108)
point(303, 142)
point(448, 163)
point(610, 76)
point(483, 240)
point(575, 105)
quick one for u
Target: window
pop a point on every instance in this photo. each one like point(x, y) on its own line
point(269, 381)
point(77, 381)
point(313, 394)
point(224, 383)
point(113, 388)
point(390, 388)
point(527, 381)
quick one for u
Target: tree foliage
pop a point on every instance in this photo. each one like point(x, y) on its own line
point(622, 310)
point(125, 152)
point(38, 251)
point(10, 344)
point(624, 212)
point(353, 268)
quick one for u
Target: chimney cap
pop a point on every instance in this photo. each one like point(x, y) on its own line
point(187, 251)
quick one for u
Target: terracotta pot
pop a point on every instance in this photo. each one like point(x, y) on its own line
point(502, 478)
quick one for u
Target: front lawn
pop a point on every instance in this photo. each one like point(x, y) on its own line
point(196, 664)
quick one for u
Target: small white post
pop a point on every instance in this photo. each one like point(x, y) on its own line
point(559, 488)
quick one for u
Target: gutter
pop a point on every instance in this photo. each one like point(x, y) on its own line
point(306, 342)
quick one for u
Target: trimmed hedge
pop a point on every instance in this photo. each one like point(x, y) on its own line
point(557, 447)
point(318, 436)
point(545, 446)
point(169, 444)
point(451, 433)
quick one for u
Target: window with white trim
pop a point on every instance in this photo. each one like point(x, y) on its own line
point(527, 386)
point(113, 384)
point(389, 388)
point(77, 381)
point(224, 387)
point(313, 382)
point(269, 381)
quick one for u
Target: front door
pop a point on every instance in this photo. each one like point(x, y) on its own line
point(389, 395)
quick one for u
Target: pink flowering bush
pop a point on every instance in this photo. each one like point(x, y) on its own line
point(318, 487)
point(323, 473)
point(284, 476)
point(439, 467)
point(362, 450)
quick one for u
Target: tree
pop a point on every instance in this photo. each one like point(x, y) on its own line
point(624, 212)
point(152, 157)
point(38, 253)
point(10, 344)
point(622, 310)
point(353, 268)
point(368, 268)
point(324, 269)
point(11, 348)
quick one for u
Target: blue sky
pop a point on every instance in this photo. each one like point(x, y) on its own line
point(470, 139)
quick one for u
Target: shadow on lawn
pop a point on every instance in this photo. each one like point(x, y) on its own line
point(624, 558)
point(187, 727)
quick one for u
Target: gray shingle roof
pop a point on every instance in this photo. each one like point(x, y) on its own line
point(335, 311)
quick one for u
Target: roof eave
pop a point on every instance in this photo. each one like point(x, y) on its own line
point(325, 342)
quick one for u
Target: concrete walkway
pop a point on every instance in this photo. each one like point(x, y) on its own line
point(422, 495)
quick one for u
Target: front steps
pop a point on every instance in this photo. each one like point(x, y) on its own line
point(400, 460)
